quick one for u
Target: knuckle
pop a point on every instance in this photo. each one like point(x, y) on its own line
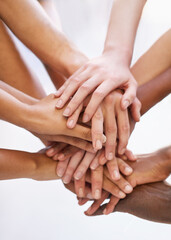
point(85, 88)
point(75, 80)
point(70, 170)
point(98, 115)
point(97, 132)
point(111, 129)
point(83, 167)
point(98, 94)
point(110, 99)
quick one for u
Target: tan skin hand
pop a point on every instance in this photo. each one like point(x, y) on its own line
point(46, 119)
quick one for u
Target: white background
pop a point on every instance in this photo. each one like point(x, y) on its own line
point(33, 210)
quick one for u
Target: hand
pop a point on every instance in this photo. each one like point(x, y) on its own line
point(101, 75)
point(148, 201)
point(147, 169)
point(46, 119)
point(54, 141)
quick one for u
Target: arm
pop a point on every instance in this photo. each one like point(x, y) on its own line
point(155, 61)
point(150, 201)
point(30, 19)
point(18, 164)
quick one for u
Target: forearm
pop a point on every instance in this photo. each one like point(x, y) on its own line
point(18, 164)
point(13, 69)
point(124, 20)
point(155, 61)
point(22, 97)
point(29, 20)
point(154, 91)
point(156, 204)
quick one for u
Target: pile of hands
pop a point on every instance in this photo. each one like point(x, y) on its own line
point(90, 140)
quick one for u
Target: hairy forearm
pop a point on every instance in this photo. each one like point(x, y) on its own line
point(29, 20)
point(124, 20)
point(155, 61)
point(149, 201)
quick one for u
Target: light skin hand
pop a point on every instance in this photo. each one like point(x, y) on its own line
point(111, 70)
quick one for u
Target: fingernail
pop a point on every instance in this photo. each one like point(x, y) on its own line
point(66, 179)
point(110, 156)
point(128, 170)
point(57, 93)
point(121, 194)
point(78, 175)
point(66, 112)
point(50, 151)
point(116, 175)
point(59, 103)
point(89, 196)
point(88, 210)
point(60, 172)
point(122, 151)
point(94, 166)
point(55, 157)
point(61, 156)
point(98, 144)
point(128, 189)
point(97, 194)
point(70, 123)
point(103, 160)
point(104, 139)
point(105, 211)
point(80, 192)
point(85, 118)
point(126, 104)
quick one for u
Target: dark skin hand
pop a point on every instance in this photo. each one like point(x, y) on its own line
point(149, 201)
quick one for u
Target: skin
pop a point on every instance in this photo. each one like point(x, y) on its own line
point(111, 70)
point(30, 18)
point(149, 201)
point(148, 168)
point(117, 51)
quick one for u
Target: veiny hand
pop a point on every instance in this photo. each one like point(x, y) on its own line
point(100, 76)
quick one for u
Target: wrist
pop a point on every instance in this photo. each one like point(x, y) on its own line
point(72, 59)
point(123, 54)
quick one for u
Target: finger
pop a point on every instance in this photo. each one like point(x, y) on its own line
point(67, 152)
point(56, 148)
point(135, 109)
point(97, 97)
point(97, 129)
point(72, 165)
point(112, 167)
point(102, 158)
point(74, 83)
point(129, 95)
point(122, 184)
point(80, 132)
point(77, 142)
point(110, 130)
point(84, 165)
point(130, 156)
point(124, 167)
point(93, 208)
point(123, 130)
point(111, 205)
point(95, 162)
point(80, 187)
point(72, 120)
point(96, 182)
point(112, 188)
point(61, 89)
point(61, 168)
